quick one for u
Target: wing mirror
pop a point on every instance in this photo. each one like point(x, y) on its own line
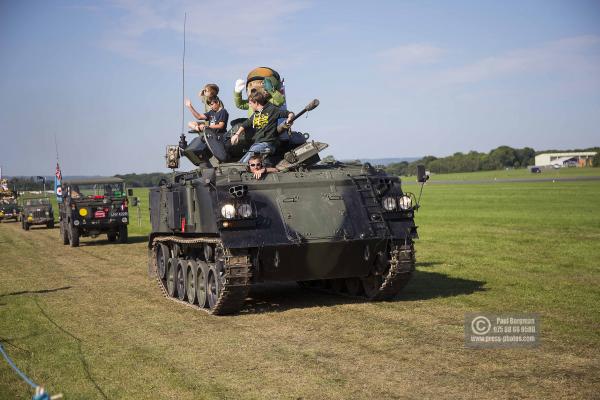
point(422, 175)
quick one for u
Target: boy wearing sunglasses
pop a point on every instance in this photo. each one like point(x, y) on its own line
point(255, 165)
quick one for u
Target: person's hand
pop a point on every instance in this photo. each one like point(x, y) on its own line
point(193, 125)
point(202, 127)
point(240, 84)
point(269, 84)
point(188, 103)
point(258, 174)
point(235, 138)
point(289, 119)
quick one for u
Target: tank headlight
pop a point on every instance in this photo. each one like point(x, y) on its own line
point(389, 203)
point(228, 211)
point(405, 203)
point(83, 212)
point(245, 210)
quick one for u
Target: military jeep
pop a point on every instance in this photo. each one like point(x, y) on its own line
point(37, 211)
point(9, 210)
point(91, 207)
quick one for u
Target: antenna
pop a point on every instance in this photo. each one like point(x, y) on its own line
point(183, 79)
point(56, 147)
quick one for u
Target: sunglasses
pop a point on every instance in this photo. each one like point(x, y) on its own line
point(256, 165)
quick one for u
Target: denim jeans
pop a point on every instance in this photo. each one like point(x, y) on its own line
point(257, 148)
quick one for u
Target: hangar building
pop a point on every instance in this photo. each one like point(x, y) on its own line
point(581, 159)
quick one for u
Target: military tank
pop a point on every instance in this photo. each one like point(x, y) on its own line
point(344, 227)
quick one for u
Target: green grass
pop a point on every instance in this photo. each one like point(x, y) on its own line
point(89, 323)
point(521, 173)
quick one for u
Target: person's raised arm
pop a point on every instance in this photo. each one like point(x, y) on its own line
point(196, 114)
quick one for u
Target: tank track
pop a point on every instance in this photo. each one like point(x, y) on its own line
point(235, 282)
point(401, 262)
point(402, 265)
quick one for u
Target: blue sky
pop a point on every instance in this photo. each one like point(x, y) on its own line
point(395, 78)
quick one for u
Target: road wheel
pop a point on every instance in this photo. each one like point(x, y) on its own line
point(27, 226)
point(123, 234)
point(190, 281)
point(201, 290)
point(171, 267)
point(338, 285)
point(353, 286)
point(180, 275)
point(112, 236)
point(50, 225)
point(162, 258)
point(64, 234)
point(213, 287)
point(371, 285)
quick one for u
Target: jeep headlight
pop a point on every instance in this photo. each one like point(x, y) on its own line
point(47, 213)
point(228, 211)
point(389, 203)
point(405, 203)
point(245, 210)
point(83, 212)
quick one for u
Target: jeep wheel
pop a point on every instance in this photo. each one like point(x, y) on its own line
point(123, 234)
point(26, 226)
point(64, 234)
point(50, 225)
point(112, 236)
point(73, 236)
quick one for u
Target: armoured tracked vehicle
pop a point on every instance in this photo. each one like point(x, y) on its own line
point(216, 230)
point(37, 211)
point(91, 207)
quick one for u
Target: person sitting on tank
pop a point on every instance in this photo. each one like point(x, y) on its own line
point(75, 193)
point(216, 117)
point(257, 166)
point(264, 123)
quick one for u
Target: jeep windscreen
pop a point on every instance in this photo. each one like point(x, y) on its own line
point(97, 191)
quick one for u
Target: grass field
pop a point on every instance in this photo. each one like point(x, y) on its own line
point(89, 323)
point(521, 173)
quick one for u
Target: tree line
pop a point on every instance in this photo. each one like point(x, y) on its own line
point(143, 180)
point(499, 158)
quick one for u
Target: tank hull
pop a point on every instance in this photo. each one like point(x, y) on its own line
point(325, 225)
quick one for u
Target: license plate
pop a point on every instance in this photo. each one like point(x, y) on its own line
point(100, 214)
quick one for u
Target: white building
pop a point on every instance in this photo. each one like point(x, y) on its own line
point(582, 159)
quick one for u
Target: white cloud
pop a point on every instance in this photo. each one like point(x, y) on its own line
point(568, 58)
point(409, 55)
point(239, 27)
point(569, 54)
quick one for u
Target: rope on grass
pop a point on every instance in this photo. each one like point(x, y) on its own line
point(40, 393)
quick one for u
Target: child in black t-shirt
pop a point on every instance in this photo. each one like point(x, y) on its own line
point(264, 123)
point(216, 117)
